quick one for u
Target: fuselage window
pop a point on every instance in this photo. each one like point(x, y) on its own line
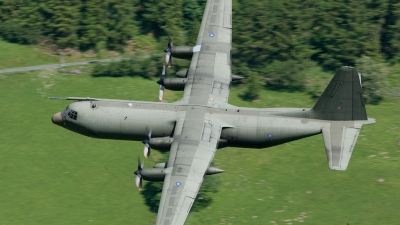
point(73, 114)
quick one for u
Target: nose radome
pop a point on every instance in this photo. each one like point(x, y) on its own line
point(57, 119)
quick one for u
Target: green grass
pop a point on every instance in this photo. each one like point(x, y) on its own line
point(15, 55)
point(52, 176)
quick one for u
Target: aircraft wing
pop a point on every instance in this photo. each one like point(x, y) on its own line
point(210, 73)
point(196, 133)
point(189, 159)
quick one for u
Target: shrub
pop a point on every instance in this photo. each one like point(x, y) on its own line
point(373, 74)
point(144, 67)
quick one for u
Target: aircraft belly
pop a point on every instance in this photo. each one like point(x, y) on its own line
point(277, 135)
point(107, 128)
point(262, 132)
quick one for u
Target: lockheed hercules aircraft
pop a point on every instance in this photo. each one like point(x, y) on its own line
point(193, 128)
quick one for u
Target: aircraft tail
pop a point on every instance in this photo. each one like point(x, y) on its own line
point(339, 139)
point(342, 105)
point(343, 98)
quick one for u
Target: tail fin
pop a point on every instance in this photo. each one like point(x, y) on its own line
point(342, 104)
point(342, 99)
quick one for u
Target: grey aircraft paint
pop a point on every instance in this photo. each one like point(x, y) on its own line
point(130, 120)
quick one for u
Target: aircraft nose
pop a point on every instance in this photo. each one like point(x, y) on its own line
point(57, 119)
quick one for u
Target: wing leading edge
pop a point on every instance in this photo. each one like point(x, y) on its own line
point(209, 74)
point(196, 132)
point(191, 155)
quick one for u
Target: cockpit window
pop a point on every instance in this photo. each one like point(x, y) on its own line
point(72, 114)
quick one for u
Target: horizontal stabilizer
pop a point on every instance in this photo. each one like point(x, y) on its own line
point(339, 145)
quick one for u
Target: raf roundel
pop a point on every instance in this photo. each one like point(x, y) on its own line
point(211, 35)
point(178, 183)
point(270, 135)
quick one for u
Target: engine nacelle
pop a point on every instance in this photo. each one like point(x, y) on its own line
point(222, 143)
point(175, 84)
point(153, 174)
point(158, 172)
point(182, 52)
point(162, 143)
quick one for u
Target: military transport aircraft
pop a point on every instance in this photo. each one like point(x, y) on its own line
point(202, 121)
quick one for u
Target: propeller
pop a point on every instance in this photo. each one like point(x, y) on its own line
point(147, 148)
point(139, 174)
point(168, 58)
point(161, 83)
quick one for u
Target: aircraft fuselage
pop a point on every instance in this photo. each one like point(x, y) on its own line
point(133, 120)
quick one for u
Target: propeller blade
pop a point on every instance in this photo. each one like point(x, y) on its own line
point(139, 182)
point(161, 83)
point(146, 150)
point(140, 167)
point(139, 174)
point(170, 42)
point(163, 72)
point(168, 55)
point(161, 93)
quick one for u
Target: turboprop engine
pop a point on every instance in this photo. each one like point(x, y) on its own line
point(164, 144)
point(175, 84)
point(161, 143)
point(157, 173)
point(181, 52)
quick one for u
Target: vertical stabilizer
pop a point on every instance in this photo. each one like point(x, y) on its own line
point(343, 98)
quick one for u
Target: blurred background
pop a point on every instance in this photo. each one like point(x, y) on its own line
point(286, 45)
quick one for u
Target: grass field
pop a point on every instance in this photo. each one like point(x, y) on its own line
point(52, 176)
point(15, 55)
